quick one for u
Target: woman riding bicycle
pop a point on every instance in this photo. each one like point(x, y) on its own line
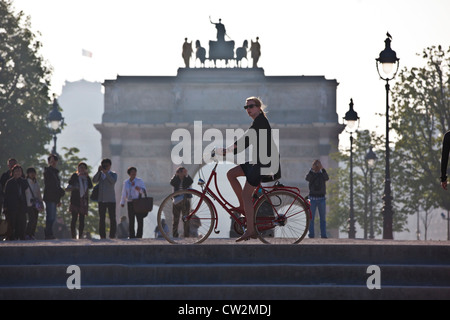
point(259, 135)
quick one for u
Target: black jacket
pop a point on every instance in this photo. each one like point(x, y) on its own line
point(74, 187)
point(317, 187)
point(444, 157)
point(52, 185)
point(175, 182)
point(15, 199)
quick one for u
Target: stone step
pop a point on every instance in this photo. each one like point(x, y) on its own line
point(244, 293)
point(196, 274)
point(126, 253)
point(149, 269)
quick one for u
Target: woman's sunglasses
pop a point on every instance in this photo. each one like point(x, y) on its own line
point(250, 106)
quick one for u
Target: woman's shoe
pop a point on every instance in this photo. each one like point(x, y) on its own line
point(246, 237)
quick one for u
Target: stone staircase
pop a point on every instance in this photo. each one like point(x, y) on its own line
point(157, 271)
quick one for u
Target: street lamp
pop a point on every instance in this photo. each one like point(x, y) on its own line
point(55, 121)
point(352, 123)
point(371, 158)
point(390, 64)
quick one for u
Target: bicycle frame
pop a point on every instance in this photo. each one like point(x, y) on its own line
point(228, 207)
point(206, 190)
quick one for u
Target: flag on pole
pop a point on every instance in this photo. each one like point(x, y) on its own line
point(86, 53)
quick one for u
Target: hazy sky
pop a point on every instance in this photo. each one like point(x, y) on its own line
point(338, 39)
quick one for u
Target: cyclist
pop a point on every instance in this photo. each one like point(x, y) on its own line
point(259, 135)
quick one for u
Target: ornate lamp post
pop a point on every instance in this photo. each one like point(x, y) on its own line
point(390, 64)
point(352, 123)
point(371, 158)
point(55, 121)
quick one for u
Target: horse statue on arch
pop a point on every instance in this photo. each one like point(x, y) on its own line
point(200, 53)
point(241, 53)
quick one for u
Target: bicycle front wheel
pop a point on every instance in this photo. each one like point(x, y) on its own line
point(186, 217)
point(281, 217)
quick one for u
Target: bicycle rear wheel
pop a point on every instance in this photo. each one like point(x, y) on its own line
point(281, 217)
point(176, 223)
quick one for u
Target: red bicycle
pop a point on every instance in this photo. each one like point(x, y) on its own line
point(282, 215)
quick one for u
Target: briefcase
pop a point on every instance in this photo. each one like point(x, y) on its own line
point(143, 205)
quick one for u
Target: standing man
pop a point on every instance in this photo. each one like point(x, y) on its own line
point(181, 205)
point(52, 194)
point(106, 180)
point(317, 177)
point(444, 159)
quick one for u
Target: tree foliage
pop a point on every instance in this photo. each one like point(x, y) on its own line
point(420, 117)
point(24, 89)
point(339, 191)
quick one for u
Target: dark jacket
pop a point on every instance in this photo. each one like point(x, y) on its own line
point(15, 199)
point(317, 187)
point(175, 182)
point(52, 185)
point(4, 178)
point(74, 187)
point(444, 157)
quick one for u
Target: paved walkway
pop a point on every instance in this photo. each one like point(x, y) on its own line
point(217, 241)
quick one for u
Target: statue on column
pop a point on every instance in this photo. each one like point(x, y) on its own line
point(256, 52)
point(187, 52)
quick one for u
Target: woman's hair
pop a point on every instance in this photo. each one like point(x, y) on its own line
point(179, 169)
point(16, 167)
point(31, 170)
point(131, 169)
point(83, 164)
point(258, 102)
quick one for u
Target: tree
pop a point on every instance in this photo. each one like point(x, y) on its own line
point(24, 89)
point(338, 191)
point(420, 117)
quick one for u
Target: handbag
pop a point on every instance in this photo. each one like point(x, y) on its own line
point(94, 194)
point(143, 205)
point(61, 192)
point(38, 204)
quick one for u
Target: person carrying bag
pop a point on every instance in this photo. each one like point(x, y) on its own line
point(132, 189)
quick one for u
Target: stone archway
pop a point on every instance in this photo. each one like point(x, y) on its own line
point(141, 113)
